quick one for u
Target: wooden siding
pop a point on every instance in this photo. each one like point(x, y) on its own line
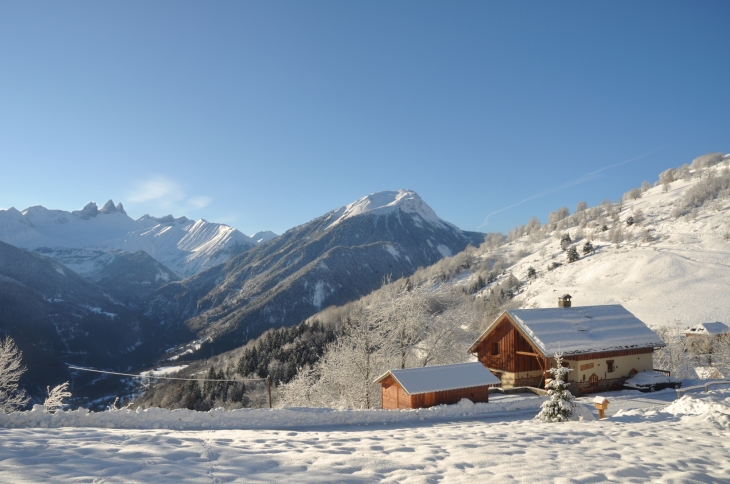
point(509, 341)
point(448, 397)
point(395, 397)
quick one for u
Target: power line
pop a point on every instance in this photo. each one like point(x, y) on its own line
point(161, 377)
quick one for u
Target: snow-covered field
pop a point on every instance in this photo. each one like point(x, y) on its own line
point(684, 441)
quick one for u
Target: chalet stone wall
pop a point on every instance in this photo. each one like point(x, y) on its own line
point(622, 367)
point(521, 379)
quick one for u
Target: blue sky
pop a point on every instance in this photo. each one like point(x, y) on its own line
point(265, 115)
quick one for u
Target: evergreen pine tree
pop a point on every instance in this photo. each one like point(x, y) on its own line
point(573, 254)
point(588, 247)
point(531, 272)
point(559, 406)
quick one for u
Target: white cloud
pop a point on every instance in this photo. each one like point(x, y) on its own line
point(157, 188)
point(163, 193)
point(200, 202)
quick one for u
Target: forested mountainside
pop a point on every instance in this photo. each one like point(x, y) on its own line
point(278, 354)
point(667, 238)
point(338, 257)
point(57, 317)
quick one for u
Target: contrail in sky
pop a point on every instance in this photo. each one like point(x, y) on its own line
point(587, 177)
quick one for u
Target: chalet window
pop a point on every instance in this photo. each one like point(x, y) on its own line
point(495, 348)
point(609, 364)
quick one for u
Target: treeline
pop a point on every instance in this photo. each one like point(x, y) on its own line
point(280, 352)
point(277, 354)
point(401, 325)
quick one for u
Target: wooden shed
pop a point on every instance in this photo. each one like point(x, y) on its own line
point(603, 346)
point(435, 385)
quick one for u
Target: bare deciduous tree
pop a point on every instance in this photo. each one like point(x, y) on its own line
point(54, 401)
point(11, 369)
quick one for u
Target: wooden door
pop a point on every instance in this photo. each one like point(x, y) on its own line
point(593, 380)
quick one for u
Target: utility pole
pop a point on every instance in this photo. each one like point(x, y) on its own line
point(268, 383)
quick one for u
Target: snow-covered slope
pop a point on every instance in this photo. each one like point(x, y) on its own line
point(263, 236)
point(383, 203)
point(668, 270)
point(83, 239)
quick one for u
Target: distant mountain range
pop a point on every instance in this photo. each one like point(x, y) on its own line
point(330, 260)
point(153, 284)
point(89, 239)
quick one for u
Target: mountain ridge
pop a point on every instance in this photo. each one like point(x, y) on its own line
point(82, 238)
point(309, 267)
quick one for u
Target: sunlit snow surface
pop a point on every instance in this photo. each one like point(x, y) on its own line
point(679, 277)
point(683, 442)
point(386, 202)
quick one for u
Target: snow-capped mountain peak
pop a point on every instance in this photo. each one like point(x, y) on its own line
point(83, 239)
point(386, 202)
point(263, 236)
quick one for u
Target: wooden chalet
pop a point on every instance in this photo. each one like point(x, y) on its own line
point(603, 346)
point(435, 385)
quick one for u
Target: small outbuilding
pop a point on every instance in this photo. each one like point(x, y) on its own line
point(435, 385)
point(717, 329)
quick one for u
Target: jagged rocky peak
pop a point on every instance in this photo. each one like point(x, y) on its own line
point(382, 203)
point(166, 220)
point(108, 207)
point(120, 208)
point(89, 210)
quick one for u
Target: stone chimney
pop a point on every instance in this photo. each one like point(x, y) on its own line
point(564, 301)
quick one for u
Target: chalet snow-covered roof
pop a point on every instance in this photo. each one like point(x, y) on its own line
point(441, 377)
point(578, 330)
point(713, 329)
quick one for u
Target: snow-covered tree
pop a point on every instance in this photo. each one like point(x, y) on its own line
point(403, 311)
point(565, 241)
point(588, 247)
point(667, 177)
point(674, 357)
point(633, 194)
point(704, 161)
point(54, 401)
point(559, 406)
point(555, 217)
point(447, 331)
point(572, 254)
point(11, 369)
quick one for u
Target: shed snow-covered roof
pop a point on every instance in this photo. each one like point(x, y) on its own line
point(577, 330)
point(713, 329)
point(442, 377)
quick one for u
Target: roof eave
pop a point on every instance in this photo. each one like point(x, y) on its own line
point(484, 334)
